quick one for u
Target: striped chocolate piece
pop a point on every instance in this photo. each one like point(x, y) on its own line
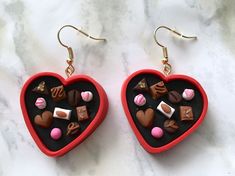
point(74, 97)
point(40, 103)
point(157, 90)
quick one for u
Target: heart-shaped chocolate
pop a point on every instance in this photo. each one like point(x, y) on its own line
point(44, 120)
point(58, 100)
point(145, 117)
point(187, 114)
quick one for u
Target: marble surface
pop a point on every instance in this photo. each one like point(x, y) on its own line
point(28, 45)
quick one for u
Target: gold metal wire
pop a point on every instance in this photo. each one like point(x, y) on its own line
point(70, 69)
point(166, 66)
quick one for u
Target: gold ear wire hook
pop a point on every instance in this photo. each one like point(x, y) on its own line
point(167, 66)
point(70, 69)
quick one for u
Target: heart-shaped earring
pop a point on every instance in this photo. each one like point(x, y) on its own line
point(60, 113)
point(163, 109)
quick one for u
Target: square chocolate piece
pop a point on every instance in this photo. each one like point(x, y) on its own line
point(58, 93)
point(82, 113)
point(186, 113)
point(157, 90)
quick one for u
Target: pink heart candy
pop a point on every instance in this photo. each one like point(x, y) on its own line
point(188, 94)
point(87, 96)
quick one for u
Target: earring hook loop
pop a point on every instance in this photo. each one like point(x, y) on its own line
point(166, 66)
point(70, 69)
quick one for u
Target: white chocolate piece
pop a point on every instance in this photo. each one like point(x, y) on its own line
point(61, 113)
point(159, 108)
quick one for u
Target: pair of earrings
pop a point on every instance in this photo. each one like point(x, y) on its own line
point(162, 109)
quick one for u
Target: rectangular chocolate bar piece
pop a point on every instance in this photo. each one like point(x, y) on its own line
point(61, 113)
point(186, 113)
point(82, 113)
point(157, 90)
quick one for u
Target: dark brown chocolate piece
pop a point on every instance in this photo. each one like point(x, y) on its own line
point(174, 97)
point(171, 126)
point(73, 128)
point(186, 113)
point(142, 86)
point(74, 96)
point(82, 113)
point(41, 88)
point(157, 90)
point(44, 120)
point(58, 93)
point(145, 117)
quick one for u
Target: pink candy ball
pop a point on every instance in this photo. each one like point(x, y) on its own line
point(40, 103)
point(56, 133)
point(157, 132)
point(188, 94)
point(140, 100)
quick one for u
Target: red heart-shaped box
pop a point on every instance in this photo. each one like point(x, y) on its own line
point(96, 121)
point(167, 79)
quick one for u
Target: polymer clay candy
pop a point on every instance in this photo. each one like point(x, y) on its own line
point(186, 113)
point(140, 100)
point(44, 120)
point(146, 117)
point(142, 86)
point(58, 93)
point(165, 109)
point(188, 94)
point(73, 128)
point(157, 90)
point(74, 97)
point(82, 113)
point(174, 97)
point(56, 133)
point(87, 96)
point(171, 126)
point(41, 88)
point(61, 113)
point(157, 132)
point(40, 103)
